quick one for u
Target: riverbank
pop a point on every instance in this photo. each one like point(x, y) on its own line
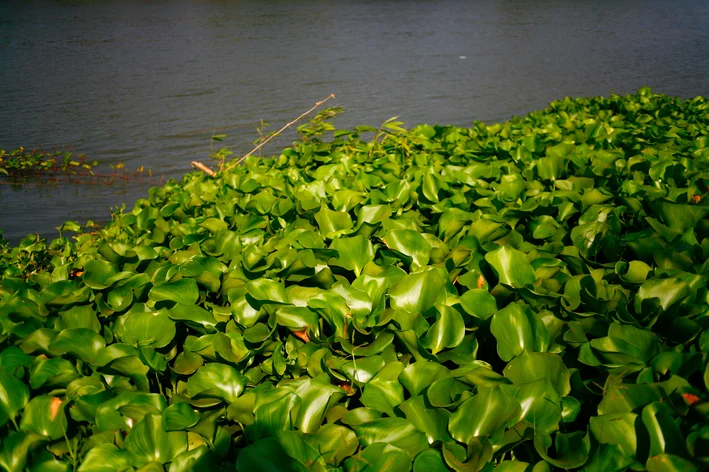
point(435, 298)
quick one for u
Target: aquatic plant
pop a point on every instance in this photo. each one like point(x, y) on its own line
point(529, 295)
point(41, 167)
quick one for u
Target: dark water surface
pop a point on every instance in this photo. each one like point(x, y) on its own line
point(145, 82)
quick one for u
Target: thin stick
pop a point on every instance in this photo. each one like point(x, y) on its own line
point(317, 104)
point(204, 168)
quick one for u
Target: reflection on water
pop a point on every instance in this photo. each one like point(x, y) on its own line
point(145, 83)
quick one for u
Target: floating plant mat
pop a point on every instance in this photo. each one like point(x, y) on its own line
point(523, 296)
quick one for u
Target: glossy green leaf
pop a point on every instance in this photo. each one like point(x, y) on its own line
point(218, 380)
point(517, 329)
point(333, 223)
point(411, 244)
point(532, 366)
point(380, 457)
point(148, 441)
point(334, 443)
point(82, 343)
point(479, 303)
point(44, 415)
point(17, 449)
point(316, 396)
point(179, 417)
point(670, 463)
point(199, 458)
point(97, 272)
point(397, 432)
point(541, 404)
point(429, 461)
point(616, 429)
point(571, 450)
point(447, 331)
point(145, 328)
point(14, 395)
point(354, 253)
point(485, 414)
point(420, 375)
point(511, 266)
point(418, 292)
point(183, 291)
point(665, 435)
point(105, 458)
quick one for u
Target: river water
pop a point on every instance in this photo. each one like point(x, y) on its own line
point(146, 82)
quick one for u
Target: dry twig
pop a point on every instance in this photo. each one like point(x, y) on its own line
point(204, 168)
point(240, 160)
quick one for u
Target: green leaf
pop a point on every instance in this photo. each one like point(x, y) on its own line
point(217, 380)
point(17, 448)
point(571, 449)
point(122, 410)
point(379, 457)
point(148, 441)
point(479, 303)
point(532, 366)
point(266, 455)
point(474, 459)
point(511, 266)
point(333, 223)
point(362, 370)
point(418, 292)
point(333, 442)
point(145, 328)
point(52, 372)
point(14, 395)
point(193, 459)
point(411, 244)
point(80, 316)
point(397, 432)
point(382, 395)
point(669, 463)
point(517, 329)
point(432, 421)
point(105, 458)
point(267, 291)
point(447, 332)
point(665, 435)
point(316, 395)
point(485, 414)
point(82, 343)
point(182, 291)
point(354, 253)
point(97, 272)
point(429, 461)
point(179, 417)
point(194, 316)
point(669, 291)
point(541, 404)
point(44, 415)
point(420, 375)
point(616, 429)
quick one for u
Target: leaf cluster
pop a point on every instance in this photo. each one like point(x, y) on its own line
point(525, 296)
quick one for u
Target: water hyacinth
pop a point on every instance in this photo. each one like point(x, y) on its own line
point(529, 295)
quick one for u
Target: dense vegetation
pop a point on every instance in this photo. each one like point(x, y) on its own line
point(523, 296)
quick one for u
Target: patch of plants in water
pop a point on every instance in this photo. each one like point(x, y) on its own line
point(525, 296)
point(41, 167)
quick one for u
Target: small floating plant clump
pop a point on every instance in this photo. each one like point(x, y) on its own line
point(41, 167)
point(530, 295)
